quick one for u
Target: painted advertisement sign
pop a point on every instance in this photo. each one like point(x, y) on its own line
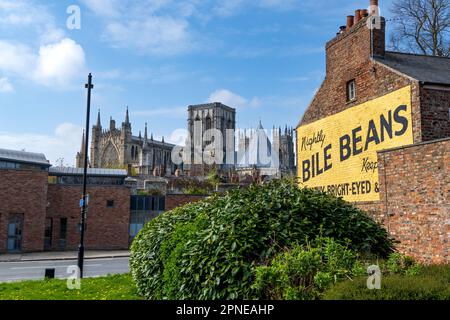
point(338, 154)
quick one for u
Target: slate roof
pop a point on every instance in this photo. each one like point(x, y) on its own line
point(24, 157)
point(427, 69)
point(66, 171)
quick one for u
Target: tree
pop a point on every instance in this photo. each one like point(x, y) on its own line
point(422, 26)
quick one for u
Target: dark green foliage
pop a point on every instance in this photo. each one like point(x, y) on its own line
point(208, 250)
point(304, 272)
point(432, 283)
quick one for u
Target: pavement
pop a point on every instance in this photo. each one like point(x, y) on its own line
point(61, 256)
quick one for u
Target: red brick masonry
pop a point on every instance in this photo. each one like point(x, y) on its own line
point(24, 192)
point(107, 227)
point(176, 200)
point(415, 207)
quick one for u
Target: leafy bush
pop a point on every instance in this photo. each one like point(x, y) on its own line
point(432, 283)
point(401, 264)
point(208, 250)
point(306, 271)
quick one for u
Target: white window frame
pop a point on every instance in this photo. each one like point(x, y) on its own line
point(351, 90)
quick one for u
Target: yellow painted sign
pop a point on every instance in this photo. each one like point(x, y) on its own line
point(338, 154)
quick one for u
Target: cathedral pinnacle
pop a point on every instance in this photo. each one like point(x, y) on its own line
point(99, 124)
point(127, 117)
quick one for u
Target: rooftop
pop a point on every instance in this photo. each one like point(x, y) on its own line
point(427, 69)
point(23, 157)
point(67, 171)
point(211, 105)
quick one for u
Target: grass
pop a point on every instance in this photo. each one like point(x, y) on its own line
point(116, 287)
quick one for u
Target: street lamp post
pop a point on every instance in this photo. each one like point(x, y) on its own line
point(89, 86)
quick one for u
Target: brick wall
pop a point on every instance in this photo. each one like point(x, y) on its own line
point(177, 200)
point(435, 112)
point(107, 228)
point(348, 57)
point(24, 192)
point(415, 205)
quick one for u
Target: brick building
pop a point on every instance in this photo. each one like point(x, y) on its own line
point(108, 215)
point(23, 200)
point(39, 206)
point(376, 133)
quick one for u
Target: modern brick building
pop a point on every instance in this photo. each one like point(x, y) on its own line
point(108, 215)
point(377, 133)
point(39, 206)
point(23, 200)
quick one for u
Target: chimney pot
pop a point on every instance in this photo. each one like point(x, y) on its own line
point(364, 13)
point(357, 16)
point(350, 22)
point(374, 8)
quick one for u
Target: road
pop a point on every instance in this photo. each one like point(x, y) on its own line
point(35, 270)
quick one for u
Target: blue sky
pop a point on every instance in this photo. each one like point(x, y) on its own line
point(264, 57)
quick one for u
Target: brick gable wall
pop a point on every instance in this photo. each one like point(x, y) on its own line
point(24, 192)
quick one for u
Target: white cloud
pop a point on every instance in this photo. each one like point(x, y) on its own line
point(49, 58)
point(65, 142)
point(20, 14)
point(57, 64)
point(60, 63)
point(105, 8)
point(5, 85)
point(16, 58)
point(233, 100)
point(154, 35)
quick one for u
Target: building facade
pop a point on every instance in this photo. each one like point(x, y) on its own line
point(119, 148)
point(39, 206)
point(23, 200)
point(372, 104)
point(246, 158)
point(257, 154)
point(201, 119)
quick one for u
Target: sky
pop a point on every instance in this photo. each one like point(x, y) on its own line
point(263, 57)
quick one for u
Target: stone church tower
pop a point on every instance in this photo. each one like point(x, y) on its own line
point(210, 116)
point(118, 148)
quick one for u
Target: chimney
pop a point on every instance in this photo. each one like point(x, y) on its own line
point(364, 13)
point(350, 22)
point(357, 16)
point(374, 8)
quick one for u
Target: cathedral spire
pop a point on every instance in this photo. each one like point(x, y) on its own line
point(83, 142)
point(99, 124)
point(127, 117)
point(145, 133)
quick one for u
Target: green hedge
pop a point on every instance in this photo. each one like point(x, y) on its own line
point(432, 283)
point(304, 272)
point(209, 250)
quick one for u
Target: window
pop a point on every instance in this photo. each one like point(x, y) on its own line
point(62, 233)
point(351, 90)
point(63, 229)
point(110, 203)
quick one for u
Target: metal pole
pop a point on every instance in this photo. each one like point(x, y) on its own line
point(88, 86)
